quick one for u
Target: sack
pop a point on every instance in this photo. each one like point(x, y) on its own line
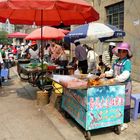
point(4, 73)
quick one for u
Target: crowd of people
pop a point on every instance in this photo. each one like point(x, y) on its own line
point(85, 58)
point(52, 52)
point(90, 62)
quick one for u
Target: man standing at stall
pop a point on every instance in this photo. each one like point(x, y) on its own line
point(56, 51)
point(81, 55)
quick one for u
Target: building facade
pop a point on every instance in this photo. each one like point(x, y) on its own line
point(9, 28)
point(124, 14)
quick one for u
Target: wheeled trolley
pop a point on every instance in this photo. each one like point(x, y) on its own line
point(96, 107)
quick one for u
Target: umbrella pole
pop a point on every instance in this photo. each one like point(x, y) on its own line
point(42, 46)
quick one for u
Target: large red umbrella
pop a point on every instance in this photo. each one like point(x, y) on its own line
point(17, 35)
point(47, 12)
point(48, 34)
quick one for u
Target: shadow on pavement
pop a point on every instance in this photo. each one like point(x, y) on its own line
point(93, 132)
point(27, 92)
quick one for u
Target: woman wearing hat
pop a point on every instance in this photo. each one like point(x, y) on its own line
point(121, 71)
point(33, 52)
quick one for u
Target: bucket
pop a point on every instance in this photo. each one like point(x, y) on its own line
point(58, 89)
point(4, 73)
point(42, 97)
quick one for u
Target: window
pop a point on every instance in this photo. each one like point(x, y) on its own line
point(115, 14)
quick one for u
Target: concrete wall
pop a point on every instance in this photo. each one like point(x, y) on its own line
point(131, 27)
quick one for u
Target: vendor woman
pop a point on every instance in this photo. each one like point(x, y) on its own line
point(33, 52)
point(121, 72)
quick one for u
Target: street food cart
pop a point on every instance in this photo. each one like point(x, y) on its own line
point(34, 73)
point(94, 107)
point(22, 74)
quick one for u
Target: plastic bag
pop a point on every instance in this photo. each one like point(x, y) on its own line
point(77, 72)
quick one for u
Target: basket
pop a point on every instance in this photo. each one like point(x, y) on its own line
point(42, 97)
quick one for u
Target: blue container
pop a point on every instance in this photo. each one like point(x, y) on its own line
point(4, 73)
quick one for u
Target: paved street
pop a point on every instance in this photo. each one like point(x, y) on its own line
point(22, 119)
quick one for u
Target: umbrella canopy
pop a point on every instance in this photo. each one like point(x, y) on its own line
point(95, 31)
point(64, 31)
point(47, 34)
point(17, 35)
point(47, 12)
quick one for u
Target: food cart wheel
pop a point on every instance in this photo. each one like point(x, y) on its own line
point(23, 76)
point(117, 129)
point(87, 135)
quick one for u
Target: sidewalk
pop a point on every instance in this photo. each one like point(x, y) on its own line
point(22, 119)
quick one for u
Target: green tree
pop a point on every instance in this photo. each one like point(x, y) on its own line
point(4, 39)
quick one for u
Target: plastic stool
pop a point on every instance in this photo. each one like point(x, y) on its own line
point(136, 98)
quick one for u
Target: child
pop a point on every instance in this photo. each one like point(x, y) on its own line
point(101, 65)
point(121, 72)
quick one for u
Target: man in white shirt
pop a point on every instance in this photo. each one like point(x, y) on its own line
point(92, 60)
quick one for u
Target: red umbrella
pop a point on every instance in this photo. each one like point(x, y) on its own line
point(17, 35)
point(48, 34)
point(47, 12)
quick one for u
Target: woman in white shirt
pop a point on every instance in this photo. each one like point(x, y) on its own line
point(92, 59)
point(33, 52)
